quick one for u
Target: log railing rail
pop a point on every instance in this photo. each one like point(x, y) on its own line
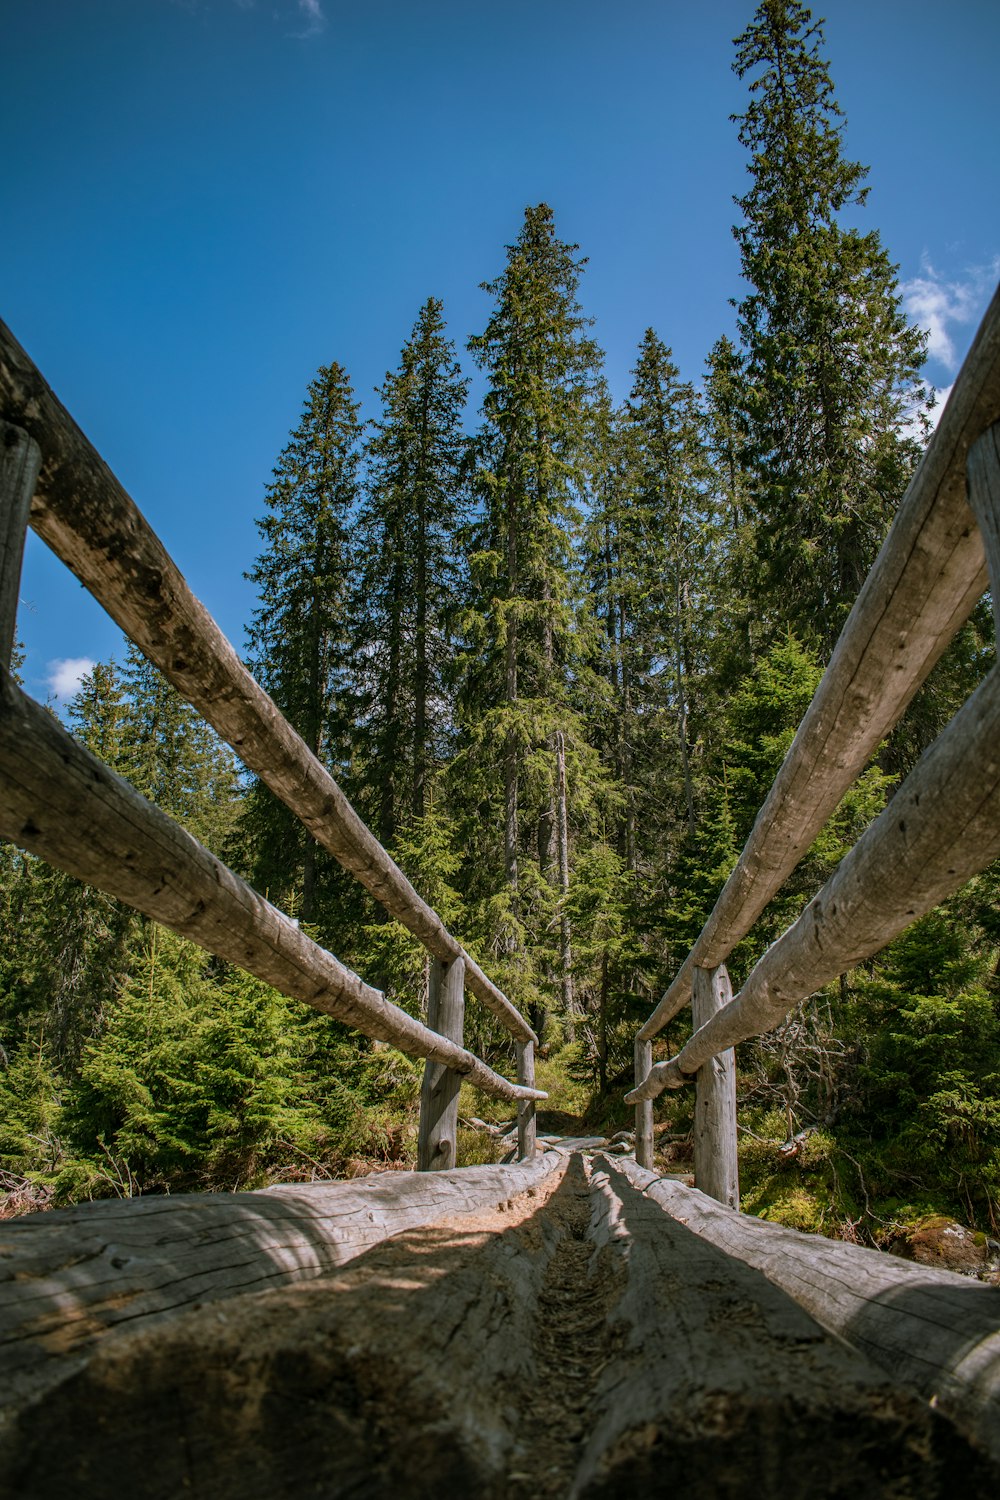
point(60, 802)
point(942, 826)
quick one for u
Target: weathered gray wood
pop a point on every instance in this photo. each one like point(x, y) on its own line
point(437, 1141)
point(602, 1350)
point(716, 1171)
point(644, 1107)
point(721, 1384)
point(923, 586)
point(20, 460)
point(940, 829)
point(932, 1330)
point(62, 803)
point(984, 498)
point(86, 517)
point(75, 1276)
point(527, 1126)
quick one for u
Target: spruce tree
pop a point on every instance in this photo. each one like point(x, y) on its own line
point(408, 574)
point(670, 525)
point(171, 755)
point(298, 639)
point(649, 538)
point(522, 640)
point(831, 367)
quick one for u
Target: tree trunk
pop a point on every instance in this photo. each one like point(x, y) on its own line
point(512, 751)
point(421, 673)
point(562, 831)
point(682, 706)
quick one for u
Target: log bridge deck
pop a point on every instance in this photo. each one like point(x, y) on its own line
point(568, 1326)
point(572, 1326)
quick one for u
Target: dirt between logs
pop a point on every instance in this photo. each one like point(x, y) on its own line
point(577, 1344)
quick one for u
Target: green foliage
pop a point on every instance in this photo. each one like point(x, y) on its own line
point(651, 530)
point(802, 1191)
point(299, 643)
point(409, 573)
point(830, 366)
point(929, 1079)
point(187, 1083)
point(558, 666)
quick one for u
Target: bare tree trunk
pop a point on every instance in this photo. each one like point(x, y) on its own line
point(625, 745)
point(562, 831)
point(602, 1025)
point(511, 756)
point(421, 673)
point(682, 708)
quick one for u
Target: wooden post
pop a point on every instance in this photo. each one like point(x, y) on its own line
point(20, 461)
point(644, 1109)
point(526, 1123)
point(715, 1169)
point(438, 1140)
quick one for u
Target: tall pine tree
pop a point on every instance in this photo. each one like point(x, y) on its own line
point(830, 364)
point(299, 641)
point(522, 627)
point(408, 574)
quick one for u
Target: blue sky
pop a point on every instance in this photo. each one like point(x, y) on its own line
point(204, 200)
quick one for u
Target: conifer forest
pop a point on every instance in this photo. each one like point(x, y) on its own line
point(554, 647)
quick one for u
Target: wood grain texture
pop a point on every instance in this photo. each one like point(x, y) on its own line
point(721, 1384)
point(925, 582)
point(941, 828)
point(527, 1124)
point(437, 1141)
point(72, 1277)
point(932, 1330)
point(63, 804)
point(593, 1348)
point(715, 1166)
point(20, 461)
point(984, 498)
point(644, 1107)
point(87, 518)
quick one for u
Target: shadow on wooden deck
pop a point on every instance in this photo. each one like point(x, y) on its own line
point(592, 1346)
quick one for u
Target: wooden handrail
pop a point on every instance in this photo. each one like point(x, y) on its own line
point(19, 464)
point(59, 801)
point(943, 825)
point(923, 586)
point(85, 515)
point(941, 828)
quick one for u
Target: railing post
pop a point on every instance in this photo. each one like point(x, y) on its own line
point(644, 1109)
point(526, 1123)
point(20, 461)
point(715, 1167)
point(438, 1138)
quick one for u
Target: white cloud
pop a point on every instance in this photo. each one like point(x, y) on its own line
point(313, 12)
point(942, 305)
point(64, 676)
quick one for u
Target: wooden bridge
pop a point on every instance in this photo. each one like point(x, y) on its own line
point(570, 1324)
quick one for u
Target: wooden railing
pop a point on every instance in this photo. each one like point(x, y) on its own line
point(941, 827)
point(60, 802)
